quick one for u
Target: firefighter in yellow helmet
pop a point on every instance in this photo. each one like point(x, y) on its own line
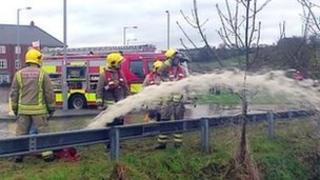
point(31, 96)
point(172, 108)
point(112, 85)
point(154, 77)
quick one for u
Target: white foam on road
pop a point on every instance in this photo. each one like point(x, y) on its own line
point(273, 83)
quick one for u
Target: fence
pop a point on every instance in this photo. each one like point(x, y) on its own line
point(114, 135)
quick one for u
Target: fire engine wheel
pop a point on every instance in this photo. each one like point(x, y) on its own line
point(78, 102)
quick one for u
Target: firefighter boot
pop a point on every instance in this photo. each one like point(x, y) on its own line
point(18, 159)
point(162, 141)
point(48, 156)
point(177, 138)
point(161, 146)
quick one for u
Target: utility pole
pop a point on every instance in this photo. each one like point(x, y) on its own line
point(125, 33)
point(64, 68)
point(131, 40)
point(168, 29)
point(18, 48)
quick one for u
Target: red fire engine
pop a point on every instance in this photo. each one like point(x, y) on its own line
point(83, 73)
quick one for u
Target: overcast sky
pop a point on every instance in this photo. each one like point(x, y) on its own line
point(100, 22)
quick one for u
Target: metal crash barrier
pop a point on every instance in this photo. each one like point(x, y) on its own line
point(52, 141)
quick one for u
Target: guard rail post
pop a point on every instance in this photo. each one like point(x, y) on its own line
point(270, 117)
point(33, 143)
point(290, 115)
point(205, 135)
point(114, 143)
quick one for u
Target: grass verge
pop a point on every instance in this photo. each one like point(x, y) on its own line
point(290, 155)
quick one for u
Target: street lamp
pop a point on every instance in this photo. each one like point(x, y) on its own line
point(168, 29)
point(131, 40)
point(64, 63)
point(18, 49)
point(125, 31)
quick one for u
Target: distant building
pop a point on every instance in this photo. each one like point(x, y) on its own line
point(9, 51)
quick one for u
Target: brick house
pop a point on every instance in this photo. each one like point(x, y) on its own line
point(9, 52)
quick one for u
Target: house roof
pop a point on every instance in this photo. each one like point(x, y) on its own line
point(28, 34)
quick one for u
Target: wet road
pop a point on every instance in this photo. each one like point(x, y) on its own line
point(4, 98)
point(7, 128)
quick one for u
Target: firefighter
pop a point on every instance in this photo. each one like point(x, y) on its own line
point(112, 85)
point(32, 98)
point(154, 78)
point(173, 107)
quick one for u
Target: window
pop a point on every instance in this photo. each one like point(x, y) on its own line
point(17, 50)
point(2, 49)
point(3, 64)
point(18, 64)
point(4, 79)
point(76, 72)
point(136, 67)
point(150, 65)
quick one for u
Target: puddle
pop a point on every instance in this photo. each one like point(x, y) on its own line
point(7, 128)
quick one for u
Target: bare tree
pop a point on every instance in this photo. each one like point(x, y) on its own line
point(312, 22)
point(240, 29)
point(195, 23)
point(186, 35)
point(282, 30)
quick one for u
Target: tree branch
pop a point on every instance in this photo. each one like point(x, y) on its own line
point(186, 35)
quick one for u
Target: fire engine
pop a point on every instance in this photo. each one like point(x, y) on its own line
point(82, 72)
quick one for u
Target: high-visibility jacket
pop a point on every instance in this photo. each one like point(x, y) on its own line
point(153, 78)
point(112, 83)
point(31, 92)
point(176, 73)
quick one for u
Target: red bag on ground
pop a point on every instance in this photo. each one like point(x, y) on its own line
point(67, 154)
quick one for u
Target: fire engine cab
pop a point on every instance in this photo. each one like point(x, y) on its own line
point(83, 74)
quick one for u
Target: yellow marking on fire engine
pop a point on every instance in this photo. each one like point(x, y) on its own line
point(50, 68)
point(78, 63)
point(81, 91)
point(59, 97)
point(91, 96)
point(101, 69)
point(135, 87)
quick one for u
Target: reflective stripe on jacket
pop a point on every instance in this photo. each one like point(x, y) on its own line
point(111, 83)
point(24, 108)
point(31, 92)
point(152, 79)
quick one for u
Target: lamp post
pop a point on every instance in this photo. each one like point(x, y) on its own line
point(64, 68)
point(125, 31)
point(131, 40)
point(18, 49)
point(168, 29)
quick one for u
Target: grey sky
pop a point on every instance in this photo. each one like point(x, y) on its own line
point(100, 22)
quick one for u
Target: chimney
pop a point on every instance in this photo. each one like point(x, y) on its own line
point(32, 23)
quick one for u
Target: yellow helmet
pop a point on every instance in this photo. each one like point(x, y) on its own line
point(33, 56)
point(114, 60)
point(157, 65)
point(170, 53)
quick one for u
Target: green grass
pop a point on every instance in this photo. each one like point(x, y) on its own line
point(277, 160)
point(141, 160)
point(285, 157)
point(228, 98)
point(225, 98)
point(212, 65)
